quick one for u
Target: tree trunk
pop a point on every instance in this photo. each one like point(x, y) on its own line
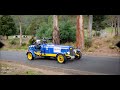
point(20, 30)
point(117, 25)
point(80, 33)
point(82, 29)
point(90, 27)
point(6, 38)
point(20, 35)
point(56, 33)
point(112, 27)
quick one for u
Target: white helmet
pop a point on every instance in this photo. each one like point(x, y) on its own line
point(38, 41)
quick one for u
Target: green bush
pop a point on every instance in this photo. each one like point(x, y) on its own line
point(13, 42)
point(67, 32)
point(44, 31)
point(88, 43)
point(96, 34)
point(24, 44)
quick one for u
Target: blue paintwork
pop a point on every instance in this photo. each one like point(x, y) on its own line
point(32, 49)
point(50, 49)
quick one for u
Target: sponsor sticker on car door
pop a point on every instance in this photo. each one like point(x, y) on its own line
point(57, 49)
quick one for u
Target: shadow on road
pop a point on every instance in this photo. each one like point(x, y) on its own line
point(53, 59)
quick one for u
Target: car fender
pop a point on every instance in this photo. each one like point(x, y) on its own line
point(77, 50)
point(31, 51)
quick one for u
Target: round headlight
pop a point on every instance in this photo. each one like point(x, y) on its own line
point(74, 50)
point(68, 52)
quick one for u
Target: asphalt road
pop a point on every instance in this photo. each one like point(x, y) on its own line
point(106, 65)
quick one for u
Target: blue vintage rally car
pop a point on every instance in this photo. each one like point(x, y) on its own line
point(60, 52)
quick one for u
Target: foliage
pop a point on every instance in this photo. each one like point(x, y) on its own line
point(99, 22)
point(13, 42)
point(24, 44)
point(32, 40)
point(45, 29)
point(67, 32)
point(97, 33)
point(88, 43)
point(7, 25)
point(31, 29)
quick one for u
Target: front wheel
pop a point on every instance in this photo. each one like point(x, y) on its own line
point(30, 56)
point(78, 55)
point(61, 58)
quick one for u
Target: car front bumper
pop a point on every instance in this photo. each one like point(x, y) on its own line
point(70, 57)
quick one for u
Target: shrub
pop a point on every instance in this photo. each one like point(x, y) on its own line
point(24, 44)
point(88, 43)
point(96, 34)
point(31, 41)
point(91, 49)
point(111, 46)
point(13, 42)
point(67, 32)
point(95, 46)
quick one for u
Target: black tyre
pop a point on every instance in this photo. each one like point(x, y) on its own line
point(78, 56)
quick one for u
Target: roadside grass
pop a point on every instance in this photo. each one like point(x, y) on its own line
point(7, 69)
point(17, 48)
point(109, 30)
point(13, 44)
point(31, 72)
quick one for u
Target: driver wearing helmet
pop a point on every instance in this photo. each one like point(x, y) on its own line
point(37, 44)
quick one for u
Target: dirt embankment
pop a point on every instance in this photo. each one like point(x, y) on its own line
point(104, 47)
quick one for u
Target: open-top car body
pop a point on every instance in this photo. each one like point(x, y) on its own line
point(60, 52)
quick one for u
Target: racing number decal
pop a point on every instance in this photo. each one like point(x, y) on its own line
point(57, 49)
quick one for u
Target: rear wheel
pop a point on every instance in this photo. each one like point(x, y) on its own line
point(30, 56)
point(61, 58)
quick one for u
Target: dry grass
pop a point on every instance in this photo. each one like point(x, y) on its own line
point(70, 44)
point(14, 69)
point(15, 45)
point(104, 46)
point(101, 46)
